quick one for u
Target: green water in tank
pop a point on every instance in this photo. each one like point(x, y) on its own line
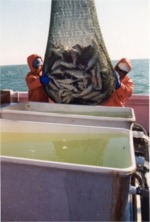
point(109, 150)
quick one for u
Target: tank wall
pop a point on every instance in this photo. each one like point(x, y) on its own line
point(70, 114)
point(33, 193)
point(45, 190)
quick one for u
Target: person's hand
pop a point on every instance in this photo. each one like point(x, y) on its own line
point(118, 83)
point(44, 79)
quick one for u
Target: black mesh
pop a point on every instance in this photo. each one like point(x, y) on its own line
point(76, 58)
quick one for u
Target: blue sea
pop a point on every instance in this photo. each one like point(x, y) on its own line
point(13, 76)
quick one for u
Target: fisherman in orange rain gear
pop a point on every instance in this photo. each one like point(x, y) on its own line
point(124, 84)
point(35, 80)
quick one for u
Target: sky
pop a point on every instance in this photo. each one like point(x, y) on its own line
point(24, 27)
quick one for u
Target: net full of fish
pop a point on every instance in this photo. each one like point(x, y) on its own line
point(77, 76)
point(76, 58)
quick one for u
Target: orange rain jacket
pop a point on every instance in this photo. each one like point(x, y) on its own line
point(36, 91)
point(119, 96)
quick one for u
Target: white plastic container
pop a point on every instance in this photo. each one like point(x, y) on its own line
point(70, 114)
point(56, 172)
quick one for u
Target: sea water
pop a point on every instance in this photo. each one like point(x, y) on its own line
point(13, 76)
point(86, 149)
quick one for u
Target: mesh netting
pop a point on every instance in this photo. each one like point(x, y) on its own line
point(76, 58)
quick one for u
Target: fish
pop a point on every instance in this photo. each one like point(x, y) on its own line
point(56, 65)
point(67, 65)
point(79, 48)
point(56, 83)
point(81, 85)
point(53, 86)
point(93, 78)
point(61, 92)
point(92, 95)
point(91, 63)
point(68, 86)
point(53, 94)
point(56, 71)
point(79, 74)
point(84, 92)
point(66, 81)
point(66, 93)
point(99, 79)
point(66, 99)
point(74, 55)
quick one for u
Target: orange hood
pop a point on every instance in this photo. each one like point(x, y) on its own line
point(125, 60)
point(30, 59)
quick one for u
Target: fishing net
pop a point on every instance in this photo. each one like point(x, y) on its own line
point(76, 59)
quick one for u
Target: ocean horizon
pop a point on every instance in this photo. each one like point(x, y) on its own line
point(13, 76)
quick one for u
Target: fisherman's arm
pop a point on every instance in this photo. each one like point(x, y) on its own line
point(33, 82)
point(126, 89)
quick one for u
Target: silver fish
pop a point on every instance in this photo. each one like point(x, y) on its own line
point(60, 93)
point(56, 83)
point(99, 79)
point(56, 71)
point(79, 74)
point(74, 55)
point(79, 48)
point(68, 86)
point(66, 99)
point(66, 81)
point(67, 65)
point(84, 92)
point(56, 65)
point(53, 86)
point(67, 93)
point(93, 78)
point(91, 95)
point(54, 95)
point(91, 63)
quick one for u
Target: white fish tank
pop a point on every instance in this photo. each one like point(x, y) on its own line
point(64, 172)
point(70, 114)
